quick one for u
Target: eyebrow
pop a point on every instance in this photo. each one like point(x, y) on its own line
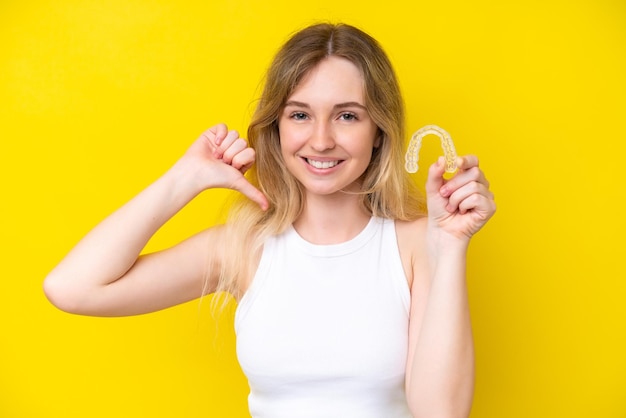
point(337, 106)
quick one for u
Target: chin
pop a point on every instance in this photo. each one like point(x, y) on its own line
point(329, 191)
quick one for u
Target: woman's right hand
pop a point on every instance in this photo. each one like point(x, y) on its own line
point(219, 158)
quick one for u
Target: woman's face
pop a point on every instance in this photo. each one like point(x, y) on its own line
point(326, 133)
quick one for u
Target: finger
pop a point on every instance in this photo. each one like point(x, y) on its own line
point(460, 198)
point(461, 178)
point(235, 148)
point(466, 162)
point(481, 207)
point(244, 160)
point(435, 176)
point(226, 142)
point(219, 132)
point(243, 186)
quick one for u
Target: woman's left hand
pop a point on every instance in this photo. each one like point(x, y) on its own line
point(461, 205)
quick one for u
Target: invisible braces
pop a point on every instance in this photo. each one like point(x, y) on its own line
point(412, 153)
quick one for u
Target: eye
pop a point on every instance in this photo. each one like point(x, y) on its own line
point(298, 116)
point(348, 116)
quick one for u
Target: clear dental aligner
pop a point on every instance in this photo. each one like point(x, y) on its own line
point(412, 153)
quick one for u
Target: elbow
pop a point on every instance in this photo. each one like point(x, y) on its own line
point(445, 411)
point(433, 406)
point(61, 294)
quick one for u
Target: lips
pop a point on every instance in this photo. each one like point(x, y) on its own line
point(322, 164)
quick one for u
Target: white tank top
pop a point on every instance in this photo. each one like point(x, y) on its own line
point(323, 329)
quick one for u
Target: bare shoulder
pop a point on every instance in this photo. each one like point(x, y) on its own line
point(410, 235)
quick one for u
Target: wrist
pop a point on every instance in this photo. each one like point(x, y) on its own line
point(443, 243)
point(183, 184)
point(447, 256)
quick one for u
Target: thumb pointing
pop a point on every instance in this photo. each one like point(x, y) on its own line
point(254, 194)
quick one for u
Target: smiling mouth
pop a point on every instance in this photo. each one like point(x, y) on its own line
point(322, 164)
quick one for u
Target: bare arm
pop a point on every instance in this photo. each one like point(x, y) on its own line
point(104, 275)
point(440, 366)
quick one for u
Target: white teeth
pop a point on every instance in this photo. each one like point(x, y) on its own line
point(322, 164)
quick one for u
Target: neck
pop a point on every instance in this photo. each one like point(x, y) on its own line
point(331, 219)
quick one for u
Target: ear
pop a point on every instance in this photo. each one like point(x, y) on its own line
point(379, 138)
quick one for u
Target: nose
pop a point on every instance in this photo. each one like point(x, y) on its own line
point(322, 137)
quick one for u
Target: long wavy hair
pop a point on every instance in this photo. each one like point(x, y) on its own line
point(387, 190)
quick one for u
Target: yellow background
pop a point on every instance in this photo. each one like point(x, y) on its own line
point(98, 98)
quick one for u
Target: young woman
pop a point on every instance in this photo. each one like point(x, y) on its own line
point(352, 296)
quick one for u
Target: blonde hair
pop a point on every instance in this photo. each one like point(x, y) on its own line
point(387, 191)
